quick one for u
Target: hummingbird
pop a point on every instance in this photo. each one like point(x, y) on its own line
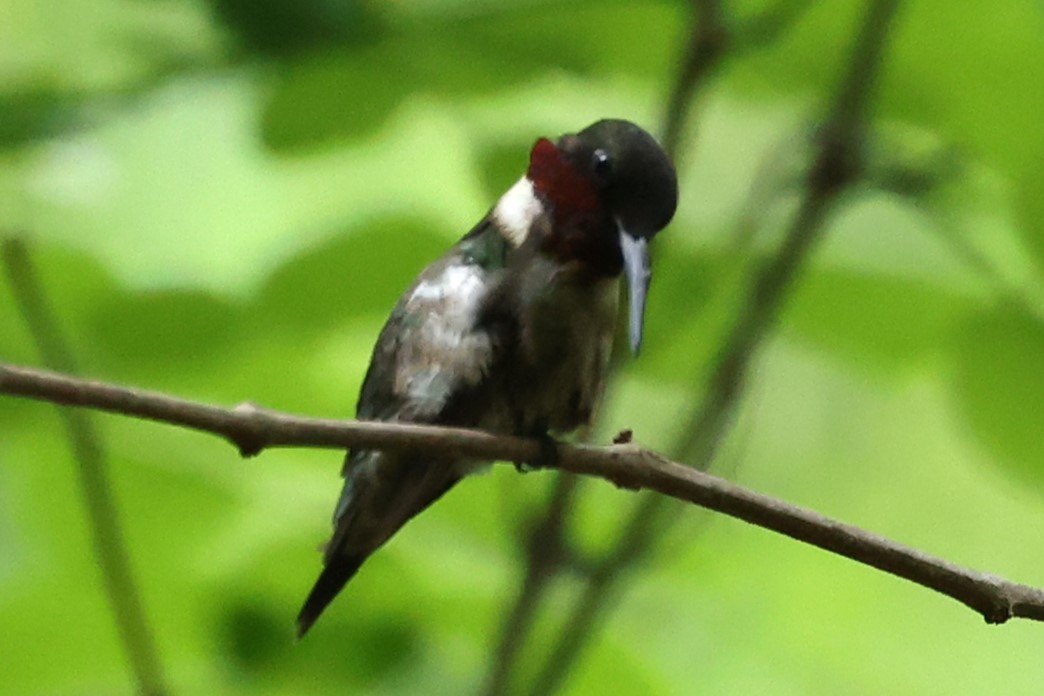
point(509, 331)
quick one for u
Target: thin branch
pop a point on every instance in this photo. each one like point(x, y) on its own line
point(253, 429)
point(708, 44)
point(713, 39)
point(546, 555)
point(632, 544)
point(836, 164)
point(102, 514)
point(770, 23)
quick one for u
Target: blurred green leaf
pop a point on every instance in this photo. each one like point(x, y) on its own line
point(75, 281)
point(370, 650)
point(999, 386)
point(349, 94)
point(353, 274)
point(59, 60)
point(500, 164)
point(333, 96)
point(380, 647)
point(579, 37)
point(164, 327)
point(255, 635)
point(627, 671)
point(14, 340)
point(35, 113)
point(685, 314)
point(988, 99)
point(280, 27)
point(1029, 205)
point(887, 325)
point(970, 73)
point(794, 64)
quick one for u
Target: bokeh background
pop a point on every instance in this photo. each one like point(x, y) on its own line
point(224, 198)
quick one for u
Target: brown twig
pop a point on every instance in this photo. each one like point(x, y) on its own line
point(712, 39)
point(102, 513)
point(708, 44)
point(545, 556)
point(632, 544)
point(253, 429)
point(835, 165)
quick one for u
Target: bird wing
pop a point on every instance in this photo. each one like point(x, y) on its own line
point(433, 353)
point(431, 364)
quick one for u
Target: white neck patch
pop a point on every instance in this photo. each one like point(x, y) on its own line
point(517, 210)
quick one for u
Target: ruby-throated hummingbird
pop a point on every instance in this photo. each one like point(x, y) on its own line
point(509, 331)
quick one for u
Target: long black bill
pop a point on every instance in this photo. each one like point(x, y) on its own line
point(639, 271)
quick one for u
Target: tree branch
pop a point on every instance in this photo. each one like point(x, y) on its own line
point(110, 548)
point(708, 44)
point(546, 554)
point(253, 429)
point(836, 165)
point(712, 39)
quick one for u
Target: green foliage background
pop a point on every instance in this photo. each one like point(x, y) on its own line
point(226, 198)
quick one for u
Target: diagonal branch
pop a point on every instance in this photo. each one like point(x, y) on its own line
point(714, 38)
point(547, 553)
point(836, 165)
point(88, 451)
point(253, 429)
point(708, 43)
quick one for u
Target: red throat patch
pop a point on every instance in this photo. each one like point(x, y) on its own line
point(572, 194)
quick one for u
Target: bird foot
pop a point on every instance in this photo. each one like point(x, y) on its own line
point(548, 457)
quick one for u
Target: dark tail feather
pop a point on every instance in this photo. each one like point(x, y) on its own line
point(338, 571)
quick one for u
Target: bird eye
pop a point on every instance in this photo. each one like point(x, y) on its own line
point(603, 163)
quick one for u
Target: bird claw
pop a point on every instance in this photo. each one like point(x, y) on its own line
point(548, 457)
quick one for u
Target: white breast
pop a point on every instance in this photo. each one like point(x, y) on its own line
point(516, 211)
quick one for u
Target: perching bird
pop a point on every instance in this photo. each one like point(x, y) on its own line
point(509, 331)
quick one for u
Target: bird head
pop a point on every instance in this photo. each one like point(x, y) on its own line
point(596, 197)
